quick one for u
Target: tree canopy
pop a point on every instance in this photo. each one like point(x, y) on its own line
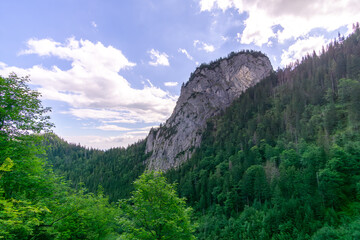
point(21, 111)
point(154, 211)
point(34, 202)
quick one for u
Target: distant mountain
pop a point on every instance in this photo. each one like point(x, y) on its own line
point(210, 90)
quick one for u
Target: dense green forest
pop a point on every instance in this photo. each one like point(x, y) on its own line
point(282, 162)
point(115, 169)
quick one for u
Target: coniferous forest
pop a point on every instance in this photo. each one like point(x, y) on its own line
point(282, 162)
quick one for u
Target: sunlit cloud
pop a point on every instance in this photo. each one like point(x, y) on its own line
point(112, 128)
point(203, 46)
point(103, 142)
point(302, 47)
point(171, 84)
point(294, 18)
point(186, 53)
point(158, 58)
point(93, 86)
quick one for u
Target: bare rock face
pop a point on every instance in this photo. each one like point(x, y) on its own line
point(210, 90)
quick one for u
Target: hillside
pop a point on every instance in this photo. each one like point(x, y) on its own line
point(281, 162)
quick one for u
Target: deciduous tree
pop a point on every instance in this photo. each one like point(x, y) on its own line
point(155, 211)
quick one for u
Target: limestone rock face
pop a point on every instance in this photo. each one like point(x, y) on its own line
point(211, 89)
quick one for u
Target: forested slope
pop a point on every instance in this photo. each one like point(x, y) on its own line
point(282, 162)
point(114, 170)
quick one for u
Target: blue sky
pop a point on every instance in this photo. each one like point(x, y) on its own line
point(111, 69)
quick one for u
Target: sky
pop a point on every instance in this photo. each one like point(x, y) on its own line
point(111, 70)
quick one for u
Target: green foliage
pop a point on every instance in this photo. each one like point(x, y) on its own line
point(346, 231)
point(21, 111)
point(254, 184)
point(34, 202)
point(78, 215)
point(154, 211)
point(6, 166)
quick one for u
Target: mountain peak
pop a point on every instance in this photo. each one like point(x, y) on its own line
point(210, 89)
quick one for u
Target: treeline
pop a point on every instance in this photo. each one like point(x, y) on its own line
point(283, 162)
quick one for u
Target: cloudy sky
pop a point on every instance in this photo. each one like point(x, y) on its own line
point(112, 69)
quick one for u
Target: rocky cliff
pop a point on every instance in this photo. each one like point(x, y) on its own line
point(210, 89)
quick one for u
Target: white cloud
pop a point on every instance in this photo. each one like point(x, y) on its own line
point(296, 18)
point(117, 116)
point(93, 23)
point(186, 53)
point(112, 128)
point(204, 46)
point(83, 54)
point(120, 120)
point(207, 5)
point(158, 58)
point(350, 29)
point(301, 47)
point(224, 38)
point(92, 113)
point(238, 37)
point(93, 86)
point(171, 84)
point(147, 128)
point(139, 133)
point(104, 143)
point(127, 137)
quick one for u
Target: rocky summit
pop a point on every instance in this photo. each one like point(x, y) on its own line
point(210, 89)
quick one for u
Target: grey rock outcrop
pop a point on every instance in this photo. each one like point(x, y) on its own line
point(211, 89)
